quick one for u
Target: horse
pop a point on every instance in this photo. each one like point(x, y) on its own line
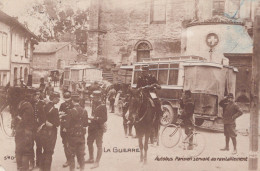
point(141, 110)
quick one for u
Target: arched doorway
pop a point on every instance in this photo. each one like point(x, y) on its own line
point(25, 75)
point(15, 76)
point(143, 49)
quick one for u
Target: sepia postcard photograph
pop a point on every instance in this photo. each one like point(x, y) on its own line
point(124, 85)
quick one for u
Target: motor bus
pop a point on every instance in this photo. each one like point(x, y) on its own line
point(207, 81)
point(78, 73)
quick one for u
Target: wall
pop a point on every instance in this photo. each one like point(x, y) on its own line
point(67, 54)
point(4, 55)
point(230, 37)
point(127, 22)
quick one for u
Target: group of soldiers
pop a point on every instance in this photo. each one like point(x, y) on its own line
point(36, 120)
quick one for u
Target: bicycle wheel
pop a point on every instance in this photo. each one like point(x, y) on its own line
point(6, 121)
point(171, 135)
point(195, 144)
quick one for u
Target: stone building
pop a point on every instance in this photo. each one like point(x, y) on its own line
point(49, 56)
point(128, 31)
point(16, 44)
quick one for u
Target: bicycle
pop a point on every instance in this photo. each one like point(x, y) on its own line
point(6, 121)
point(172, 134)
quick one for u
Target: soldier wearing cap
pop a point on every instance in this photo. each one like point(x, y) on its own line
point(24, 132)
point(96, 128)
point(77, 120)
point(39, 116)
point(231, 112)
point(48, 131)
point(64, 109)
point(187, 105)
point(148, 80)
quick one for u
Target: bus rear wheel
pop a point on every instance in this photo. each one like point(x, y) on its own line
point(169, 115)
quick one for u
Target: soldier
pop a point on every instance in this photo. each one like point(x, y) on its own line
point(231, 112)
point(150, 83)
point(64, 109)
point(77, 120)
point(147, 79)
point(39, 116)
point(187, 105)
point(96, 126)
point(111, 98)
point(48, 131)
point(24, 133)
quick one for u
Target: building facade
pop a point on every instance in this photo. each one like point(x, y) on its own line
point(129, 31)
point(49, 56)
point(16, 50)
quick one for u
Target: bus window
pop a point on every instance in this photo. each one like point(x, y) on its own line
point(136, 75)
point(162, 77)
point(163, 73)
point(173, 77)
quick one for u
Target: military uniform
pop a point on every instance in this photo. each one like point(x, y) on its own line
point(231, 111)
point(24, 135)
point(65, 107)
point(39, 116)
point(95, 130)
point(75, 124)
point(49, 135)
point(111, 98)
point(187, 115)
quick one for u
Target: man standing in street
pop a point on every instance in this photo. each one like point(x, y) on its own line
point(187, 106)
point(64, 109)
point(96, 128)
point(39, 116)
point(231, 112)
point(24, 133)
point(111, 98)
point(48, 131)
point(77, 120)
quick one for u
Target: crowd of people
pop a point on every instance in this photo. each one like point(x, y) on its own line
point(36, 119)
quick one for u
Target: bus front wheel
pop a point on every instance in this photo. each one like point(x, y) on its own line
point(169, 115)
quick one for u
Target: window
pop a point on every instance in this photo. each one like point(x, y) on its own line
point(173, 74)
point(22, 48)
point(15, 44)
point(163, 74)
point(143, 51)
point(21, 73)
point(4, 44)
point(218, 7)
point(29, 49)
point(15, 76)
point(158, 12)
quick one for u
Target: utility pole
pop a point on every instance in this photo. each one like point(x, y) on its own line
point(254, 112)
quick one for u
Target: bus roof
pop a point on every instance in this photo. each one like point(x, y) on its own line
point(175, 58)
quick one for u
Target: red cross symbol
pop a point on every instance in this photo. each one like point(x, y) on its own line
point(212, 39)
